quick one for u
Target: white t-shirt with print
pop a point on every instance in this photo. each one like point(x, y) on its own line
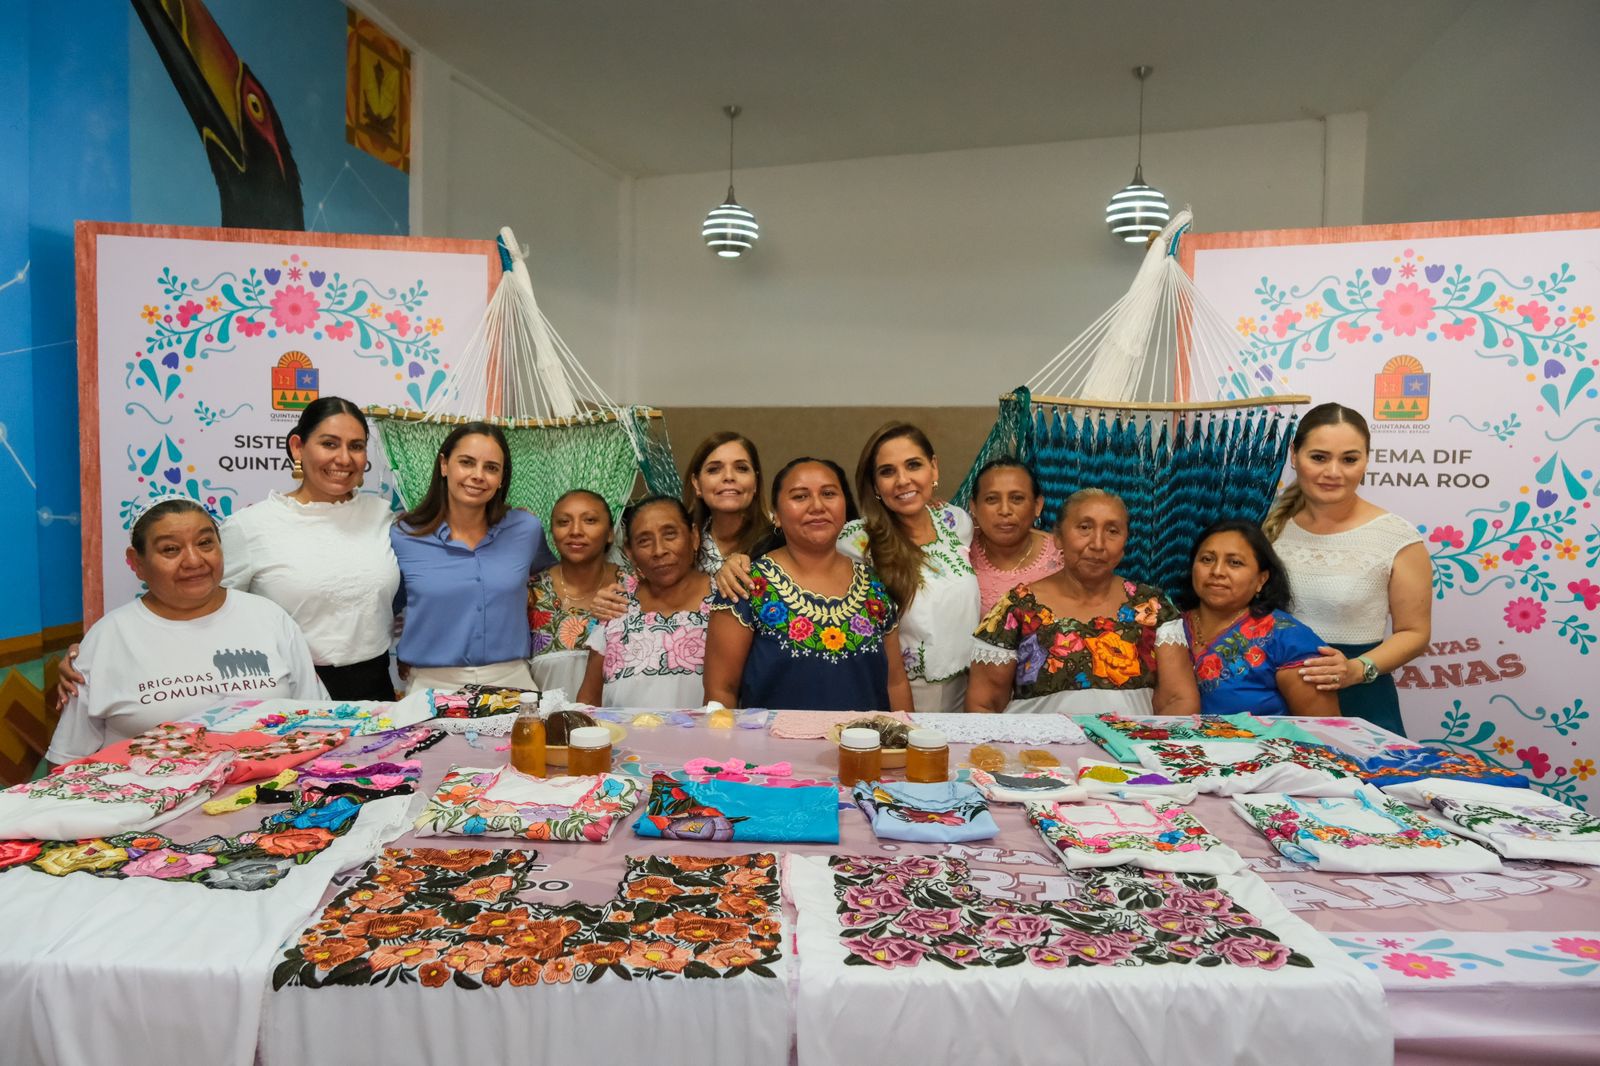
point(141, 669)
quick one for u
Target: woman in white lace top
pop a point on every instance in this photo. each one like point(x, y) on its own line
point(1360, 574)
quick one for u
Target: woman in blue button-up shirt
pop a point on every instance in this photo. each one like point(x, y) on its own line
point(465, 556)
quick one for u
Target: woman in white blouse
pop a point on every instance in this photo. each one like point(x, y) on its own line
point(920, 552)
point(321, 552)
point(1358, 572)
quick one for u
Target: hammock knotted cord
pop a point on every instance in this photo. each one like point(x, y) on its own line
point(1150, 402)
point(564, 431)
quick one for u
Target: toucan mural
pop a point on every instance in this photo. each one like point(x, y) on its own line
point(256, 176)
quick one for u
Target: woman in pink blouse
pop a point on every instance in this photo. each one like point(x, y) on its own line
point(1007, 550)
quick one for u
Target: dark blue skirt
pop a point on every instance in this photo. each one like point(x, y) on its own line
point(1378, 703)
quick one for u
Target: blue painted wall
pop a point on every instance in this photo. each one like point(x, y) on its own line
point(92, 128)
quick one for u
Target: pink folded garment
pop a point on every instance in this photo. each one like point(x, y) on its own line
point(814, 725)
point(257, 756)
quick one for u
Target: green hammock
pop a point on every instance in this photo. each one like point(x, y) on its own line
point(563, 430)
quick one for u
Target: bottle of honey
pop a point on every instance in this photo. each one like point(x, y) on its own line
point(860, 756)
point(527, 737)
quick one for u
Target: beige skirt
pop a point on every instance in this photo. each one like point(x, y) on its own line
point(510, 674)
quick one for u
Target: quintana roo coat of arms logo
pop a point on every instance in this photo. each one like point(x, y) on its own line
point(1400, 391)
point(294, 382)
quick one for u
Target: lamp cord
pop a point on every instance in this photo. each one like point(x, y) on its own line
point(730, 152)
point(1138, 162)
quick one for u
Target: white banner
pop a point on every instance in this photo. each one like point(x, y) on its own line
point(208, 349)
point(1473, 359)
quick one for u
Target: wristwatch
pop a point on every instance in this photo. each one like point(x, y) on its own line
point(1369, 669)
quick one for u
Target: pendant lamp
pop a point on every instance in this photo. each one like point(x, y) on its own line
point(730, 230)
point(1139, 211)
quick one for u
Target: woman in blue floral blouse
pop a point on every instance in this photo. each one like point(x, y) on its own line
point(1245, 646)
point(819, 631)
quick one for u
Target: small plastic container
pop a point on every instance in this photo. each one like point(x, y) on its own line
point(860, 757)
point(589, 751)
point(527, 738)
point(927, 756)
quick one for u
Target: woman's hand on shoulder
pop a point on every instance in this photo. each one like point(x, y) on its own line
point(733, 579)
point(1330, 670)
point(610, 602)
point(69, 677)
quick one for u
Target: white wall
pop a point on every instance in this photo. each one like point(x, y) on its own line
point(1498, 117)
point(479, 164)
point(938, 279)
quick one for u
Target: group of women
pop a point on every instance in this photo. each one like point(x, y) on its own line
point(793, 600)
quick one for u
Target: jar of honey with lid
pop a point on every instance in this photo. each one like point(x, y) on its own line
point(927, 756)
point(589, 750)
point(860, 756)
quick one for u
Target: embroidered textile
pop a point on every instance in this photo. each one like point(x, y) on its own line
point(949, 812)
point(815, 725)
point(406, 741)
point(653, 659)
point(1273, 764)
point(1109, 780)
point(476, 701)
point(826, 653)
point(365, 781)
point(936, 628)
point(1364, 833)
point(1238, 669)
point(1004, 728)
point(900, 912)
point(1122, 737)
point(91, 799)
point(1051, 784)
point(248, 862)
point(717, 811)
point(504, 803)
point(556, 627)
point(1517, 823)
point(454, 917)
point(1398, 764)
point(244, 797)
point(1055, 655)
point(1151, 834)
point(280, 716)
point(256, 755)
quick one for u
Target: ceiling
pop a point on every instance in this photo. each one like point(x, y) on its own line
point(641, 83)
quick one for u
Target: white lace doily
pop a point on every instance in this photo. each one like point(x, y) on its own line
point(1004, 728)
point(494, 725)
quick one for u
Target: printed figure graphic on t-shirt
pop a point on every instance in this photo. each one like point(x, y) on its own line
point(235, 663)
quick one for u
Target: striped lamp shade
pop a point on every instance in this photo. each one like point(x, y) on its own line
point(1138, 211)
point(731, 230)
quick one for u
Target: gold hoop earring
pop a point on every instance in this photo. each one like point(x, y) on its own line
point(297, 471)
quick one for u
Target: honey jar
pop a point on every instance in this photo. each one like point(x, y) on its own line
point(860, 756)
point(589, 751)
point(927, 756)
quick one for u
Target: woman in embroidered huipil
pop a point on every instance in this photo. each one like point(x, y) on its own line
point(653, 655)
point(1245, 646)
point(818, 629)
point(1006, 550)
point(1085, 638)
point(561, 599)
point(920, 551)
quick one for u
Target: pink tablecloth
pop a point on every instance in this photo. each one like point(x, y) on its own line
point(1478, 968)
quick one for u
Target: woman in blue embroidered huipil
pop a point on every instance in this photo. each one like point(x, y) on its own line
point(653, 655)
point(818, 631)
point(920, 551)
point(1245, 646)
